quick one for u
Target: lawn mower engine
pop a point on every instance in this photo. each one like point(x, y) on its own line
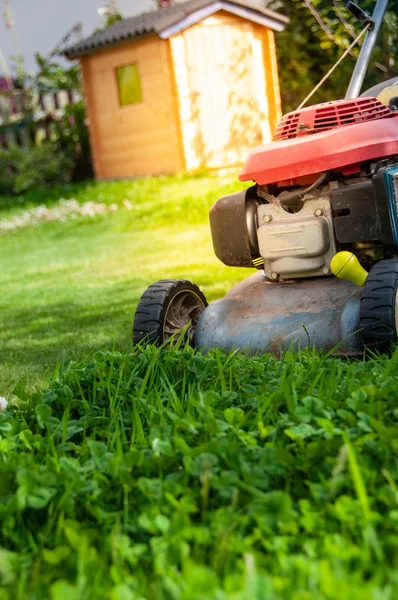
point(325, 200)
point(328, 182)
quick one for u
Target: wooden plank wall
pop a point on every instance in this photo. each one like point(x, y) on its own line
point(140, 139)
point(228, 89)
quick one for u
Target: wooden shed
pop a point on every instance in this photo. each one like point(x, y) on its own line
point(190, 86)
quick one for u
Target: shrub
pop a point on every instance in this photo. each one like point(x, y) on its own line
point(22, 169)
point(68, 155)
point(72, 136)
point(6, 171)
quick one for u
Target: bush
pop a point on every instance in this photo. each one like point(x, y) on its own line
point(72, 136)
point(22, 169)
point(6, 171)
point(68, 156)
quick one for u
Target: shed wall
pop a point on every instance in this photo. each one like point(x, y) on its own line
point(137, 139)
point(227, 83)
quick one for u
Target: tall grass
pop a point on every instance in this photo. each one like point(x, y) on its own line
point(164, 474)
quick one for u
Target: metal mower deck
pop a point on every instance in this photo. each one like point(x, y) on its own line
point(263, 316)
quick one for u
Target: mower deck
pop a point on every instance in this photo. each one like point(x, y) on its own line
point(263, 316)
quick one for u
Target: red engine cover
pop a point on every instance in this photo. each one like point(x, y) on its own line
point(325, 137)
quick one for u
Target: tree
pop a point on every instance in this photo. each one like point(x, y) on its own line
point(311, 44)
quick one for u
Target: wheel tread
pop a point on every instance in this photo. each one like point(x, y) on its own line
point(377, 314)
point(152, 307)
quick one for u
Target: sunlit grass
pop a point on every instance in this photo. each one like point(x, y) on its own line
point(69, 288)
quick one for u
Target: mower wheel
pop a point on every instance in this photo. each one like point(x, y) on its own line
point(379, 308)
point(168, 309)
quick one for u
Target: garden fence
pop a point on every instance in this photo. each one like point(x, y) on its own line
point(21, 127)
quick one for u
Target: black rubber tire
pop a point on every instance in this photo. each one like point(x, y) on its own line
point(378, 306)
point(149, 318)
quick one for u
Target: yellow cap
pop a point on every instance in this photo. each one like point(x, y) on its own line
point(345, 265)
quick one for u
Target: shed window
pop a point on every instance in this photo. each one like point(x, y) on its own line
point(129, 84)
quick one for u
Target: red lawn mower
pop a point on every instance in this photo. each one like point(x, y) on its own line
point(320, 225)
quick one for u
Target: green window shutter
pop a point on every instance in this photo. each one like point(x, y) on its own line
point(129, 84)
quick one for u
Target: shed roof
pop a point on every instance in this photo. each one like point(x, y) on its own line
point(166, 22)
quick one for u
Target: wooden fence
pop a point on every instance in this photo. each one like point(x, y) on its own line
point(17, 127)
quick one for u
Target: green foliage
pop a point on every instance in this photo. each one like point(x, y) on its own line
point(306, 53)
point(52, 76)
point(109, 21)
point(6, 173)
point(68, 156)
point(167, 475)
point(71, 131)
point(23, 169)
point(111, 13)
point(113, 18)
point(72, 138)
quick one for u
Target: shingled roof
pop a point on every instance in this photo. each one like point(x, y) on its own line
point(166, 22)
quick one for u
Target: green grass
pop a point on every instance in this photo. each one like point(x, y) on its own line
point(167, 475)
point(147, 474)
point(69, 288)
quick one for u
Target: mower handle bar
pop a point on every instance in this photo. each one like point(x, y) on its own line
point(358, 76)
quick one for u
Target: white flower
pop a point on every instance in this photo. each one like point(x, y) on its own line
point(103, 11)
point(3, 403)
point(61, 212)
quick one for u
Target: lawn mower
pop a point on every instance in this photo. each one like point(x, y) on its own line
point(320, 225)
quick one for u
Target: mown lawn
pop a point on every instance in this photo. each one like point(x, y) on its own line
point(146, 474)
point(69, 288)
